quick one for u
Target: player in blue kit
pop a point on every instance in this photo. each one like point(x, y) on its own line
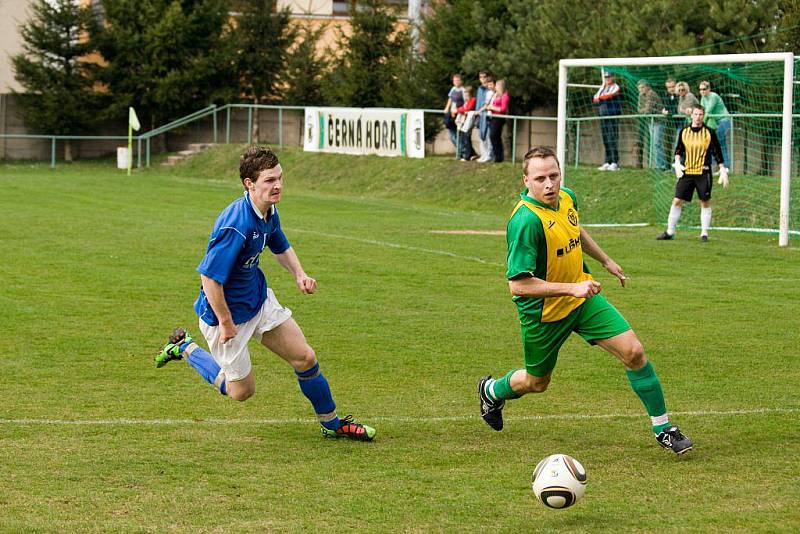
point(235, 303)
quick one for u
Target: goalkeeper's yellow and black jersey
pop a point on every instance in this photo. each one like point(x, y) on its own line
point(696, 146)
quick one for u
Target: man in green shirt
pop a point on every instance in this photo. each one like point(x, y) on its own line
point(556, 295)
point(717, 117)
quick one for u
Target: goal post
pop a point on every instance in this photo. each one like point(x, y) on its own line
point(734, 72)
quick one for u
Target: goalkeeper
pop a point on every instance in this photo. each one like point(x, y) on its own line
point(697, 143)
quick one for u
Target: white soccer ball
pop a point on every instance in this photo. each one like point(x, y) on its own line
point(559, 481)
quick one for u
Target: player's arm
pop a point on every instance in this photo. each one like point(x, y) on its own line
point(591, 248)
point(215, 293)
point(715, 147)
point(530, 286)
point(288, 260)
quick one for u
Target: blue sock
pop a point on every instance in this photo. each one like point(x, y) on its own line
point(205, 365)
point(316, 389)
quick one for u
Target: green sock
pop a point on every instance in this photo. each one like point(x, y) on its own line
point(501, 388)
point(647, 386)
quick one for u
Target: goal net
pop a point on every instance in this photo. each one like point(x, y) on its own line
point(749, 100)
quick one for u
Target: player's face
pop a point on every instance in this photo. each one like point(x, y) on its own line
point(543, 180)
point(697, 117)
point(266, 190)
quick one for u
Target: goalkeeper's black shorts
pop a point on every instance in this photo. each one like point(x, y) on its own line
point(687, 184)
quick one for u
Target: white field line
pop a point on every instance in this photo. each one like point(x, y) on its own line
point(388, 419)
point(398, 246)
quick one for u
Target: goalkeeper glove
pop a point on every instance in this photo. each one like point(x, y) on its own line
point(723, 176)
point(679, 168)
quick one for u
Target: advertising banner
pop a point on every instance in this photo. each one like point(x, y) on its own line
point(381, 131)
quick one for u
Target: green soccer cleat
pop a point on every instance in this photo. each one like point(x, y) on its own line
point(172, 350)
point(350, 429)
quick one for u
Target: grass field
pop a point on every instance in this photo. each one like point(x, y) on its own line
point(98, 268)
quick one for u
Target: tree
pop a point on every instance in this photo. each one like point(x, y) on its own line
point(55, 71)
point(306, 69)
point(262, 37)
point(523, 41)
point(369, 70)
point(166, 58)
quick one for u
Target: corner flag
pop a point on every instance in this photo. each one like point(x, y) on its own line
point(133, 124)
point(133, 120)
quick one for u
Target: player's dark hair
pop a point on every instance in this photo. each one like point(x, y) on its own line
point(256, 159)
point(538, 152)
point(698, 106)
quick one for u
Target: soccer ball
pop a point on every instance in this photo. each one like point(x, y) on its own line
point(559, 481)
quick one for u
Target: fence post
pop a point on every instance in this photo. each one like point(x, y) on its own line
point(249, 125)
point(280, 127)
point(514, 141)
point(52, 152)
point(215, 125)
point(458, 141)
point(148, 152)
point(138, 152)
point(577, 142)
point(228, 126)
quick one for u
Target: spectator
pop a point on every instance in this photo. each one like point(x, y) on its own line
point(485, 94)
point(675, 120)
point(498, 106)
point(455, 99)
point(466, 120)
point(650, 104)
point(607, 102)
point(717, 117)
point(686, 102)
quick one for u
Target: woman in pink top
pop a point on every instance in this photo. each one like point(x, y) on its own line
point(498, 106)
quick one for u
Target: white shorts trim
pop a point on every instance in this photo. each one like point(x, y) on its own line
point(234, 357)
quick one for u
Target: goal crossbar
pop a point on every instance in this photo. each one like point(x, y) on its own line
point(786, 134)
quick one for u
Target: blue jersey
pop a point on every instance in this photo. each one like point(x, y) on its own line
point(237, 240)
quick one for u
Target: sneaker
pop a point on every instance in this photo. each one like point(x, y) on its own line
point(672, 438)
point(350, 429)
point(613, 167)
point(603, 167)
point(704, 239)
point(172, 350)
point(665, 236)
point(491, 411)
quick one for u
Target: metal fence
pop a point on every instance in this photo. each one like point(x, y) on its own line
point(583, 130)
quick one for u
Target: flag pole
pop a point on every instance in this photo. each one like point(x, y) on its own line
point(130, 147)
point(133, 124)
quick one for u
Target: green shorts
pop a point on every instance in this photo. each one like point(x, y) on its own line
point(596, 318)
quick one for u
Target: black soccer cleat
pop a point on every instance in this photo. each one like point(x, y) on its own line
point(665, 236)
point(673, 438)
point(491, 411)
point(704, 239)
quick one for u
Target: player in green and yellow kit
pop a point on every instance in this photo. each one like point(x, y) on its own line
point(555, 296)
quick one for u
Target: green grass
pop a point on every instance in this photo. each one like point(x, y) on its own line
point(98, 268)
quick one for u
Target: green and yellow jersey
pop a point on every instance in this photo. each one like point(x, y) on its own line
point(696, 146)
point(546, 243)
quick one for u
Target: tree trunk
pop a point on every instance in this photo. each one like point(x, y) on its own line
point(68, 150)
point(255, 122)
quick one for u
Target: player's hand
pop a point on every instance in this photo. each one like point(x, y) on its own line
point(227, 331)
point(306, 284)
point(586, 289)
point(723, 176)
point(679, 168)
point(614, 268)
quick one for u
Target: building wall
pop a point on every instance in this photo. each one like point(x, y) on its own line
point(14, 13)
